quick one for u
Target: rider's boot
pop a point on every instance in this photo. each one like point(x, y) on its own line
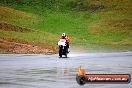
point(68, 51)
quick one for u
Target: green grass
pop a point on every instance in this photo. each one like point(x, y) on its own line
point(93, 24)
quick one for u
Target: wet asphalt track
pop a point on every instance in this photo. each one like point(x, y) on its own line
point(49, 71)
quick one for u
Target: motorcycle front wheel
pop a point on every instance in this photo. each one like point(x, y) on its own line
point(60, 53)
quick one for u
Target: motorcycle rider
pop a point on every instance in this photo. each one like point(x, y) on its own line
point(67, 38)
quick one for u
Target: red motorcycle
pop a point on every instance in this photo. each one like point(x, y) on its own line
point(63, 49)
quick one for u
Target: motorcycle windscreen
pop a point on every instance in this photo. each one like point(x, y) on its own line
point(62, 42)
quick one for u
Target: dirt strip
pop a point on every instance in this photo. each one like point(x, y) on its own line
point(11, 45)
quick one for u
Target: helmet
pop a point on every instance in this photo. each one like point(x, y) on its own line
point(63, 34)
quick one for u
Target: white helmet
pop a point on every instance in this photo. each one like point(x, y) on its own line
point(63, 34)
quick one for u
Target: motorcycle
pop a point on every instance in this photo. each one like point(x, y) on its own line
point(63, 49)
